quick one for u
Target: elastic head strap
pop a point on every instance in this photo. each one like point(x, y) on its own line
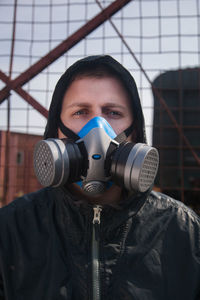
point(68, 132)
point(123, 135)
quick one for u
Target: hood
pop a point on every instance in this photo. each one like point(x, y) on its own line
point(90, 62)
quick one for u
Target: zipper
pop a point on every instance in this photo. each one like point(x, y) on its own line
point(96, 289)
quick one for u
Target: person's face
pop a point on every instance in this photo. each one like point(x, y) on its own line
point(90, 97)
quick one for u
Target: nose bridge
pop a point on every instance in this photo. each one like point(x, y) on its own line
point(96, 111)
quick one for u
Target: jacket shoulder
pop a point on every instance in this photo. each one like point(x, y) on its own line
point(176, 221)
point(175, 208)
point(24, 204)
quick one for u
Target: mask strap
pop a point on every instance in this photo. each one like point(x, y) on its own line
point(123, 136)
point(68, 132)
point(119, 138)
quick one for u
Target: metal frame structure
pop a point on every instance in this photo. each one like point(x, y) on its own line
point(53, 55)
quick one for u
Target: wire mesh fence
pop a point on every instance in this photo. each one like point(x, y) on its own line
point(158, 41)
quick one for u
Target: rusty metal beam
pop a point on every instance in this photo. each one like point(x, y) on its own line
point(26, 96)
point(67, 44)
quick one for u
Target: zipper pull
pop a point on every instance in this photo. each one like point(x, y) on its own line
point(96, 220)
point(97, 214)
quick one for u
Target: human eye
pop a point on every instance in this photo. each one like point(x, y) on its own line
point(80, 112)
point(77, 113)
point(113, 113)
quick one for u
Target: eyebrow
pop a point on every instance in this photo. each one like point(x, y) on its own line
point(86, 104)
point(79, 104)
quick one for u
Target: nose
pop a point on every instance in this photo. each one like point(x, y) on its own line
point(96, 112)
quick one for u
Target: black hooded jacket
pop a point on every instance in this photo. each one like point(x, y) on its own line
point(54, 247)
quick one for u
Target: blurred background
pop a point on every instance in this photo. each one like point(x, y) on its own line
point(158, 41)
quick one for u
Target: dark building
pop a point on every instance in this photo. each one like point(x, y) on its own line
point(179, 171)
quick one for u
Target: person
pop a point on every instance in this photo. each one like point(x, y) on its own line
point(105, 241)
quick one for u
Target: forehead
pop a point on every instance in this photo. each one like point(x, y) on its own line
point(96, 90)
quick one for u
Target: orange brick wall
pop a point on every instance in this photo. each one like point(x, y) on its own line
point(17, 174)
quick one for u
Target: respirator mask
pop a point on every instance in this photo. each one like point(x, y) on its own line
point(96, 157)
